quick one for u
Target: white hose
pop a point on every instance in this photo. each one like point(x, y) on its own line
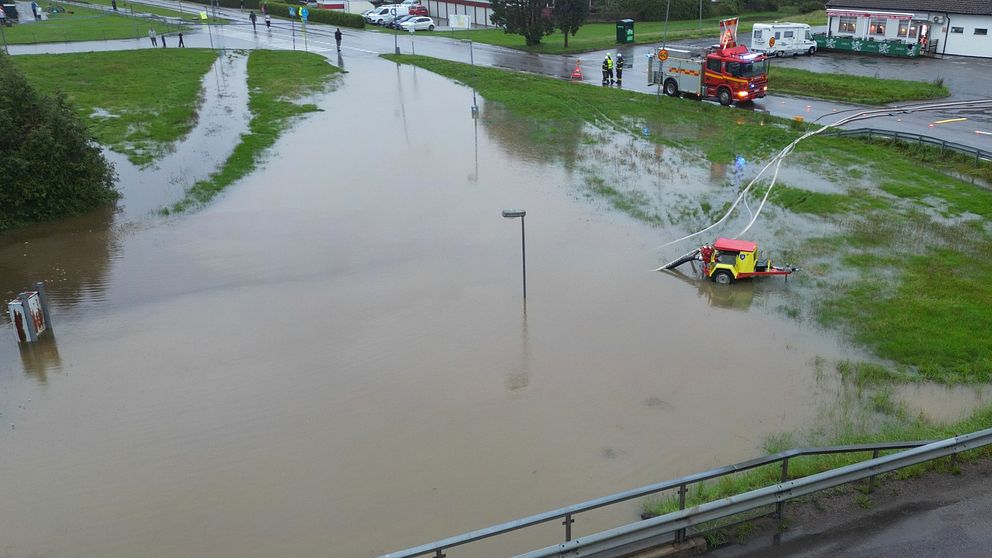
point(778, 158)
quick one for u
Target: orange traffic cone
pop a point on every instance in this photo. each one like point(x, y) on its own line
point(577, 72)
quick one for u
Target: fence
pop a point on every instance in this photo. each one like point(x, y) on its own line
point(979, 155)
point(673, 527)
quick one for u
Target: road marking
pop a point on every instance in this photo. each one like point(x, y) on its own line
point(948, 120)
point(980, 132)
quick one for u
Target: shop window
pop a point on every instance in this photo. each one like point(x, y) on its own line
point(957, 29)
point(847, 25)
point(876, 26)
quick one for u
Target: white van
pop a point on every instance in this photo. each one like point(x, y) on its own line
point(779, 39)
point(386, 14)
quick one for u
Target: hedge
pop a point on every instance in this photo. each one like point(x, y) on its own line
point(278, 9)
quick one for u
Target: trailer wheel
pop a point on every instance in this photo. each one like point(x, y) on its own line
point(810, 51)
point(723, 277)
point(671, 88)
point(725, 97)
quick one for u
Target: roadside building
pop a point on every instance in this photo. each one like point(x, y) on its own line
point(477, 11)
point(909, 27)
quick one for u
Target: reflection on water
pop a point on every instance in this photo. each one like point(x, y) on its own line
point(41, 357)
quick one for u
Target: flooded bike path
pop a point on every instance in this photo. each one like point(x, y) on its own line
point(333, 358)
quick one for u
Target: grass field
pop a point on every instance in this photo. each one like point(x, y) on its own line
point(272, 103)
point(600, 36)
point(915, 239)
point(83, 24)
point(191, 12)
point(865, 90)
point(136, 102)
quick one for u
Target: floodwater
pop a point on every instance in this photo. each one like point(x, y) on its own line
point(333, 357)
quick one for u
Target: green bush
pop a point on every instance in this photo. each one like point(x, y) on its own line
point(318, 15)
point(279, 9)
point(49, 164)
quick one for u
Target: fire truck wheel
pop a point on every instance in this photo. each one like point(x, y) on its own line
point(725, 97)
point(723, 277)
point(671, 88)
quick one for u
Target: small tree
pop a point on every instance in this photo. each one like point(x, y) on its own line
point(569, 15)
point(49, 165)
point(522, 17)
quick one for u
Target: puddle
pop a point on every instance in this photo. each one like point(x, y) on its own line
point(334, 357)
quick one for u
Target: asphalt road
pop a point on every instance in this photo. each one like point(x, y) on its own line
point(967, 78)
point(937, 515)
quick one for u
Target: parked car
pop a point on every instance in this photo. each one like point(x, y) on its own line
point(386, 14)
point(418, 10)
point(395, 24)
point(419, 23)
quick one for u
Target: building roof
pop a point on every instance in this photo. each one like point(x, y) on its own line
point(968, 7)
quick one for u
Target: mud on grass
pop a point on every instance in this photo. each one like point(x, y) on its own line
point(272, 102)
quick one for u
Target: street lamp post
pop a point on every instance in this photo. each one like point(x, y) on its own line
point(513, 214)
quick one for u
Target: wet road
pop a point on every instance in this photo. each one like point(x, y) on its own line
point(333, 358)
point(966, 77)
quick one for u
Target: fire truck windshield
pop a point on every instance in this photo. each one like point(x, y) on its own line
point(747, 69)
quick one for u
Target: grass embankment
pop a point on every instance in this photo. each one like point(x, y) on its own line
point(272, 96)
point(600, 36)
point(191, 12)
point(913, 430)
point(914, 240)
point(864, 90)
point(136, 102)
point(83, 24)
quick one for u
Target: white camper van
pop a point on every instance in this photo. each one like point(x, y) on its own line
point(779, 39)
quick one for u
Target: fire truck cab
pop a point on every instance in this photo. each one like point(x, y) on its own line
point(728, 74)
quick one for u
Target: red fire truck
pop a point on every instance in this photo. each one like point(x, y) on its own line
point(728, 71)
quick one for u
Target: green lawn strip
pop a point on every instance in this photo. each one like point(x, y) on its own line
point(600, 36)
point(908, 429)
point(84, 24)
point(864, 90)
point(192, 13)
point(821, 204)
point(137, 102)
point(272, 97)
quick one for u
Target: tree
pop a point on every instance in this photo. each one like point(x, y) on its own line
point(522, 17)
point(569, 15)
point(49, 164)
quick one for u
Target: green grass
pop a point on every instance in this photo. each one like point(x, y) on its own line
point(600, 36)
point(191, 12)
point(152, 93)
point(864, 90)
point(272, 103)
point(84, 24)
point(900, 430)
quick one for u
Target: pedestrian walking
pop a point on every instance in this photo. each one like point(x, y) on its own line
point(251, 17)
point(620, 68)
point(34, 9)
point(163, 41)
point(268, 22)
point(153, 36)
point(113, 3)
point(241, 5)
point(337, 38)
point(181, 43)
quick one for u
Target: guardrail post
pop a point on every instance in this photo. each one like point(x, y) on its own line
point(680, 535)
point(780, 506)
point(871, 479)
point(568, 527)
point(869, 134)
point(439, 554)
point(943, 145)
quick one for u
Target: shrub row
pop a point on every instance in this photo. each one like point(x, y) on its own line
point(331, 17)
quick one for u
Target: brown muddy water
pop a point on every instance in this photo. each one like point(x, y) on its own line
point(333, 358)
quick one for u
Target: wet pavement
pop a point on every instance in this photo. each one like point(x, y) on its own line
point(333, 357)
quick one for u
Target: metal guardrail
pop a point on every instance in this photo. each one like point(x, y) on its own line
point(646, 534)
point(874, 133)
point(678, 522)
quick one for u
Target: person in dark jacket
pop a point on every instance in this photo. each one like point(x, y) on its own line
point(337, 38)
point(606, 70)
point(619, 68)
point(252, 18)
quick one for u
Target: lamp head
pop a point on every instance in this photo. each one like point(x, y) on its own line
point(513, 213)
